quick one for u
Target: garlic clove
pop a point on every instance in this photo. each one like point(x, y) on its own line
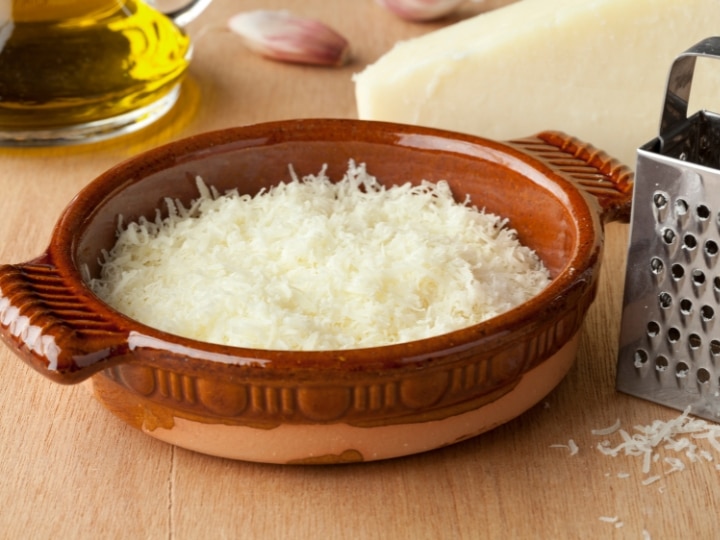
point(283, 36)
point(420, 10)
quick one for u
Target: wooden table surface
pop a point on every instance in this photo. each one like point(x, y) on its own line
point(70, 469)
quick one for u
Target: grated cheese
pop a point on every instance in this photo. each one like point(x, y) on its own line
point(651, 480)
point(312, 264)
point(675, 464)
point(681, 435)
point(571, 446)
point(608, 430)
point(574, 449)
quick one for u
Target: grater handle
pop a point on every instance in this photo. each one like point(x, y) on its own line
point(594, 171)
point(677, 95)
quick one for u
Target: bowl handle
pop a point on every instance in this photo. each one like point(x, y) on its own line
point(605, 178)
point(49, 325)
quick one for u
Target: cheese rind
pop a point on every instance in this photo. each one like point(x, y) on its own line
point(596, 69)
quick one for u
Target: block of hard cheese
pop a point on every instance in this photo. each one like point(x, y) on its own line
point(596, 69)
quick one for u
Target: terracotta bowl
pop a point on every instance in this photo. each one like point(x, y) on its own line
point(324, 407)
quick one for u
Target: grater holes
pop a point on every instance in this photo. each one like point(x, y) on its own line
point(711, 248)
point(641, 358)
point(677, 271)
point(680, 332)
point(694, 342)
point(702, 212)
point(657, 266)
point(681, 207)
point(660, 200)
point(681, 370)
point(668, 236)
point(661, 204)
point(689, 242)
point(653, 329)
point(698, 277)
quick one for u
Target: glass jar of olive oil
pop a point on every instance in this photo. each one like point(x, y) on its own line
point(84, 70)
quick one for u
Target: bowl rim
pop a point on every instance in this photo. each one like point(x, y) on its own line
point(575, 277)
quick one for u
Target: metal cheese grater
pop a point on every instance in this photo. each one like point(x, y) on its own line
point(670, 334)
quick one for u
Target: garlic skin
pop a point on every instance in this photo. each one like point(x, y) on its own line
point(420, 10)
point(283, 36)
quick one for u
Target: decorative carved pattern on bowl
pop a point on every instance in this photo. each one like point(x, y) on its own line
point(403, 396)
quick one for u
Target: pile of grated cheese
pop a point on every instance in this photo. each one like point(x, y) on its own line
point(679, 435)
point(670, 446)
point(313, 264)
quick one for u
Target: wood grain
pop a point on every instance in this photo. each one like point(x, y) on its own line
point(69, 469)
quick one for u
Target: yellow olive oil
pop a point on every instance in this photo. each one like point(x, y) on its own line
point(72, 62)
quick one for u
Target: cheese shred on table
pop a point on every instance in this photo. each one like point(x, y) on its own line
point(680, 435)
point(313, 264)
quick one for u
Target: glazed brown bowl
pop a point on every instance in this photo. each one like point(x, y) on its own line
point(329, 406)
